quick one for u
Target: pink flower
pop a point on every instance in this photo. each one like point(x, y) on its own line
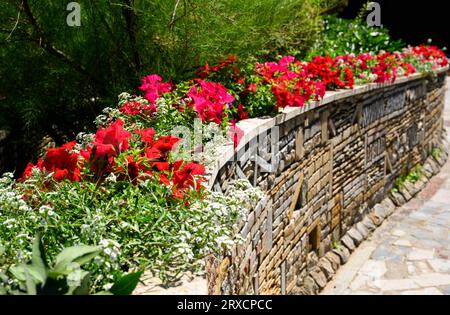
point(235, 134)
point(209, 100)
point(153, 87)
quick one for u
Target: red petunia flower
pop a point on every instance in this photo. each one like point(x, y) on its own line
point(186, 176)
point(108, 143)
point(147, 135)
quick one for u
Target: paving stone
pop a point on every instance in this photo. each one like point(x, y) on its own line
point(406, 194)
point(396, 270)
point(355, 235)
point(446, 290)
point(420, 254)
point(426, 291)
point(374, 269)
point(347, 241)
point(398, 232)
point(432, 279)
point(420, 184)
point(440, 159)
point(395, 285)
point(359, 282)
point(411, 268)
point(440, 265)
point(428, 170)
point(403, 242)
point(434, 166)
point(411, 188)
point(428, 173)
point(385, 252)
point(378, 214)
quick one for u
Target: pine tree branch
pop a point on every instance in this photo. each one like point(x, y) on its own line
point(45, 43)
point(130, 17)
point(17, 22)
point(334, 7)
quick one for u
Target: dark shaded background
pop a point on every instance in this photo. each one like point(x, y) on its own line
point(412, 21)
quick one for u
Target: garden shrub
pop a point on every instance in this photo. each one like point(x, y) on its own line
point(343, 37)
point(136, 226)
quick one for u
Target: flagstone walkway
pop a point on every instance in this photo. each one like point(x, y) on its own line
point(410, 252)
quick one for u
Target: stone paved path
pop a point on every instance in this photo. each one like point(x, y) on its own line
point(410, 252)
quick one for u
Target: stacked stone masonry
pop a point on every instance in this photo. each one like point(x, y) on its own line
point(327, 184)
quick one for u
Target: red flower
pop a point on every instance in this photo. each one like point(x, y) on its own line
point(27, 172)
point(186, 176)
point(115, 137)
point(153, 87)
point(252, 88)
point(147, 135)
point(206, 70)
point(108, 143)
point(242, 114)
point(159, 149)
point(131, 169)
point(235, 134)
point(136, 108)
point(165, 144)
point(59, 161)
point(63, 163)
point(349, 77)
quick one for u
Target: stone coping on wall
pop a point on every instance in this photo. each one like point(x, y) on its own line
point(254, 126)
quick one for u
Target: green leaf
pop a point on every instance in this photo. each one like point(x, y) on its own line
point(38, 262)
point(30, 283)
point(18, 272)
point(126, 284)
point(103, 293)
point(21, 271)
point(83, 289)
point(79, 254)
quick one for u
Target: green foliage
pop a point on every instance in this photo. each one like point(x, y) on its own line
point(343, 37)
point(413, 176)
point(126, 284)
point(137, 227)
point(55, 79)
point(436, 153)
point(63, 276)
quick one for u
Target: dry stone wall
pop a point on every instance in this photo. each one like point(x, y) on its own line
point(322, 168)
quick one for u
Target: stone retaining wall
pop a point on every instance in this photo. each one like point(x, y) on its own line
point(323, 168)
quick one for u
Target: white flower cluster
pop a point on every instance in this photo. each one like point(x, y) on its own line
point(10, 199)
point(212, 228)
point(84, 139)
point(111, 248)
point(107, 116)
point(213, 148)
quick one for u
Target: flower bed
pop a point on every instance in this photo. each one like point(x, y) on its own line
point(136, 190)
